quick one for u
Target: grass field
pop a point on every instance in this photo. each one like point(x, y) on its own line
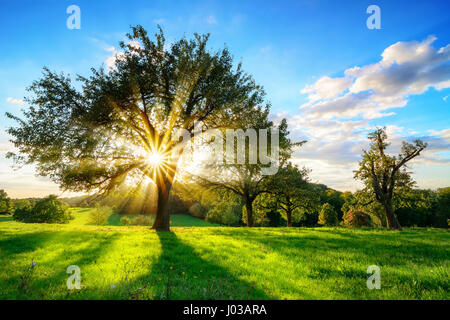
point(219, 262)
point(81, 216)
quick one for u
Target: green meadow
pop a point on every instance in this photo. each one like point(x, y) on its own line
point(201, 261)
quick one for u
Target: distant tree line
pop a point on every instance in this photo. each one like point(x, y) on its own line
point(320, 206)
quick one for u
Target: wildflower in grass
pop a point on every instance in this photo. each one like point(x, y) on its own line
point(26, 278)
point(112, 287)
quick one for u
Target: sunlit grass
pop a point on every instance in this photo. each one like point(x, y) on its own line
point(217, 262)
point(81, 217)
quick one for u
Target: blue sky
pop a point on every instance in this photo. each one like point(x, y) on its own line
point(288, 46)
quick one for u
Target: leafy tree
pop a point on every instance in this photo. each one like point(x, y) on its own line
point(21, 203)
point(47, 210)
point(355, 219)
point(247, 180)
point(23, 214)
point(328, 215)
point(384, 175)
point(222, 206)
point(363, 201)
point(289, 192)
point(306, 219)
point(423, 207)
point(443, 208)
point(5, 203)
point(225, 213)
point(215, 205)
point(416, 207)
point(100, 215)
point(335, 198)
point(124, 125)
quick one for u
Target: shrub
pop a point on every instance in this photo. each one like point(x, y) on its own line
point(197, 211)
point(221, 207)
point(125, 221)
point(142, 220)
point(223, 213)
point(328, 215)
point(23, 213)
point(47, 210)
point(274, 218)
point(100, 215)
point(356, 219)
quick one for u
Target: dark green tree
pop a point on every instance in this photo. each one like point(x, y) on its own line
point(333, 197)
point(47, 210)
point(289, 192)
point(21, 203)
point(363, 201)
point(5, 203)
point(328, 215)
point(443, 208)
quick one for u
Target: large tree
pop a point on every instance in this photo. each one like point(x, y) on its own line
point(247, 179)
point(384, 175)
point(123, 124)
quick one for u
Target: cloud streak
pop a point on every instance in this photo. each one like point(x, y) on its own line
point(19, 102)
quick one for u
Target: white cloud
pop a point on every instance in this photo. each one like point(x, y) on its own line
point(211, 19)
point(406, 68)
point(326, 88)
point(15, 101)
point(159, 21)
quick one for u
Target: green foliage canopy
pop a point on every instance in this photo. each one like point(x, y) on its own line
point(5, 203)
point(328, 215)
point(47, 210)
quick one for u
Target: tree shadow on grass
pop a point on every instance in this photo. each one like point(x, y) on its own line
point(180, 273)
point(23, 243)
point(337, 259)
point(398, 248)
point(6, 218)
point(47, 278)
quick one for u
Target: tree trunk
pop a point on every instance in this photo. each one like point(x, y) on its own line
point(249, 208)
point(391, 219)
point(289, 218)
point(162, 220)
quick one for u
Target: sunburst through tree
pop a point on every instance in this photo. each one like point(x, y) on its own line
point(121, 126)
